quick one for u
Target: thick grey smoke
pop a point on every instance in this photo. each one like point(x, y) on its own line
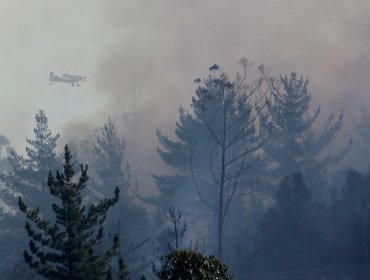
point(147, 53)
point(158, 48)
point(141, 57)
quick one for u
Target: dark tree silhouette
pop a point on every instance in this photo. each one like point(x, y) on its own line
point(350, 214)
point(27, 174)
point(112, 167)
point(179, 228)
point(108, 154)
point(67, 247)
point(187, 264)
point(288, 233)
point(361, 149)
point(217, 145)
point(171, 238)
point(297, 144)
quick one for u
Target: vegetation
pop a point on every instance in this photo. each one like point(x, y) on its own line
point(288, 233)
point(187, 265)
point(247, 165)
point(128, 217)
point(296, 143)
point(108, 154)
point(217, 145)
point(28, 175)
point(171, 238)
point(66, 248)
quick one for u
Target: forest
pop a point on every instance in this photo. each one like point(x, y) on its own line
point(259, 183)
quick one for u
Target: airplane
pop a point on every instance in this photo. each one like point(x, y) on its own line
point(66, 78)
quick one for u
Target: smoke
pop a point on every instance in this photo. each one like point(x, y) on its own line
point(141, 57)
point(156, 49)
point(151, 51)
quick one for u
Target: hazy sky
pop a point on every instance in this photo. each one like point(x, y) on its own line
point(148, 52)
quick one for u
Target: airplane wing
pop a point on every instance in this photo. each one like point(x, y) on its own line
point(59, 79)
point(74, 78)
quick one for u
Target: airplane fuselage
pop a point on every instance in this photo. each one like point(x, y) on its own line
point(66, 78)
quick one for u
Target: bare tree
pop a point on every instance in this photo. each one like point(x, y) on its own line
point(230, 113)
point(179, 227)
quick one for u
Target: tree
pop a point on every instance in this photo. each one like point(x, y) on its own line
point(4, 145)
point(297, 145)
point(350, 221)
point(111, 168)
point(26, 175)
point(179, 228)
point(187, 264)
point(123, 272)
point(67, 247)
point(172, 237)
point(4, 168)
point(217, 145)
point(361, 149)
point(108, 153)
point(41, 152)
point(288, 235)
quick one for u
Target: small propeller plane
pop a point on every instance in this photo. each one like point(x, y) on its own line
point(66, 78)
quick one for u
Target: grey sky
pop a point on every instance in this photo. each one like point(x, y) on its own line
point(148, 52)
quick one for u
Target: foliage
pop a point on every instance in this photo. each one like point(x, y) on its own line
point(67, 247)
point(27, 175)
point(362, 128)
point(350, 217)
point(217, 144)
point(287, 232)
point(170, 239)
point(108, 154)
point(188, 265)
point(4, 146)
point(361, 149)
point(179, 227)
point(123, 272)
point(128, 215)
point(297, 144)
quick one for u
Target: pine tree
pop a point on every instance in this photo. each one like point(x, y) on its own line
point(217, 144)
point(67, 247)
point(350, 223)
point(190, 135)
point(111, 168)
point(108, 153)
point(287, 231)
point(41, 152)
point(27, 174)
point(297, 144)
point(361, 150)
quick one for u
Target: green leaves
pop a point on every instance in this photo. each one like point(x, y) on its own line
point(188, 264)
point(67, 249)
